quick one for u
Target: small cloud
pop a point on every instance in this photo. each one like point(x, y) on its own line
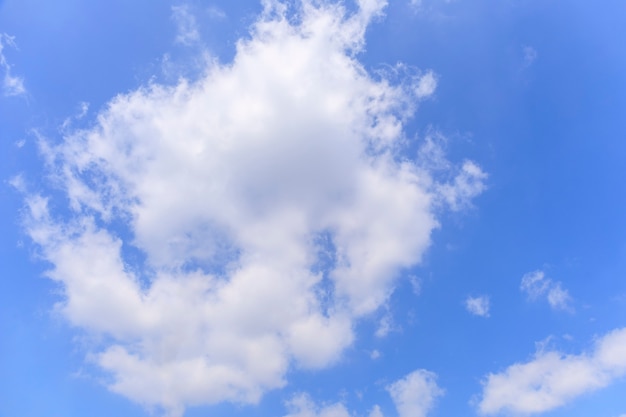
point(536, 285)
point(559, 298)
point(415, 394)
point(18, 183)
point(544, 345)
point(468, 183)
point(301, 405)
point(385, 325)
point(83, 108)
point(186, 25)
point(530, 55)
point(375, 354)
point(552, 379)
point(428, 7)
point(478, 306)
point(20, 143)
point(416, 285)
point(426, 85)
point(11, 85)
point(376, 412)
point(432, 152)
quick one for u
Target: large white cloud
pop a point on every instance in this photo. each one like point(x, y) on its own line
point(272, 203)
point(552, 379)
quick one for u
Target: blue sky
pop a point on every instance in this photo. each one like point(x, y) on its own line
point(313, 209)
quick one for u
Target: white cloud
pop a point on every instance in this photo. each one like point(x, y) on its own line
point(536, 285)
point(426, 85)
point(427, 6)
point(467, 184)
point(11, 84)
point(385, 325)
point(552, 379)
point(186, 26)
point(416, 285)
point(376, 412)
point(302, 406)
point(559, 298)
point(478, 306)
point(415, 394)
point(227, 185)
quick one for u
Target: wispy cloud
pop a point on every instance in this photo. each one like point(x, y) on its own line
point(385, 325)
point(428, 7)
point(530, 55)
point(478, 306)
point(467, 184)
point(536, 285)
point(186, 26)
point(552, 379)
point(302, 405)
point(215, 12)
point(11, 85)
point(375, 412)
point(226, 185)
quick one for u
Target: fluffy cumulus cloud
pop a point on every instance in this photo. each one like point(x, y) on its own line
point(551, 379)
point(11, 85)
point(536, 285)
point(478, 306)
point(415, 394)
point(224, 231)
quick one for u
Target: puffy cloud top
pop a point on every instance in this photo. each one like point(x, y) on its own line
point(270, 199)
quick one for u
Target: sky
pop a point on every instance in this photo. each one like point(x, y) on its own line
point(304, 208)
